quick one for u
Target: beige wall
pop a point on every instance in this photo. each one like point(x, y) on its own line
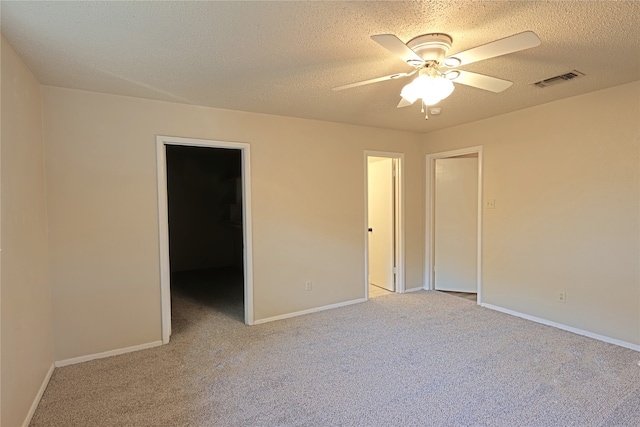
point(307, 201)
point(27, 348)
point(565, 179)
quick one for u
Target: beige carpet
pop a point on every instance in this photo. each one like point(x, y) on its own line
point(419, 359)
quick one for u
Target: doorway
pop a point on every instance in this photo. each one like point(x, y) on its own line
point(384, 240)
point(454, 239)
point(204, 219)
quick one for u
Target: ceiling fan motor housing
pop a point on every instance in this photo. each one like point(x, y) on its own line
point(431, 47)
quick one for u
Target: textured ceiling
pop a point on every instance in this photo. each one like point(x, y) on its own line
point(284, 57)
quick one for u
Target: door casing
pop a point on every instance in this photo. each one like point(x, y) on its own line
point(399, 215)
point(163, 224)
point(381, 226)
point(430, 207)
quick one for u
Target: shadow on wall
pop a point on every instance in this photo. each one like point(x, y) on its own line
point(205, 207)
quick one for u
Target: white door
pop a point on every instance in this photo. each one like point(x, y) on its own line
point(456, 224)
point(380, 208)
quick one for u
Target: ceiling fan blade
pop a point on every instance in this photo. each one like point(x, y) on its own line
point(492, 84)
point(515, 43)
point(394, 45)
point(404, 103)
point(376, 80)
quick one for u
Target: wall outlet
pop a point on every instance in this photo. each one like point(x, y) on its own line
point(490, 204)
point(308, 285)
point(562, 296)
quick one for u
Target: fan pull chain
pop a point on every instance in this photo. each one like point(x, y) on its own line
point(426, 115)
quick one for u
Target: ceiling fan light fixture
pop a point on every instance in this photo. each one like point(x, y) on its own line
point(427, 53)
point(430, 99)
point(431, 89)
point(410, 93)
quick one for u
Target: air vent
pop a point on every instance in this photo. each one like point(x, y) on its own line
point(559, 79)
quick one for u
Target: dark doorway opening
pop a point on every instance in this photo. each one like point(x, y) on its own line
point(204, 196)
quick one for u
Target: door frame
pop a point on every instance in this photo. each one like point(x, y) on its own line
point(163, 223)
point(429, 217)
point(399, 214)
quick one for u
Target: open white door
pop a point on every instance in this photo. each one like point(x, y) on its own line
point(380, 192)
point(456, 224)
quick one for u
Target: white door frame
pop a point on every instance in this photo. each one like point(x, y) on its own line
point(399, 231)
point(163, 224)
point(429, 220)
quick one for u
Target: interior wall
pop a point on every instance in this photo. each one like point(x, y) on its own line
point(27, 347)
point(307, 205)
point(202, 202)
point(565, 177)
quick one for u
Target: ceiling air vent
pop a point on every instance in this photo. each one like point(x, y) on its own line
point(559, 79)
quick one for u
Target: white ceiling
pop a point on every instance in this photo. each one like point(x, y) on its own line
point(284, 57)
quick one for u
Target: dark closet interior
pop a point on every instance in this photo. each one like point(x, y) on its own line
point(204, 190)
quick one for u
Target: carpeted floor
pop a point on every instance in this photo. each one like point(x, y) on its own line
point(418, 359)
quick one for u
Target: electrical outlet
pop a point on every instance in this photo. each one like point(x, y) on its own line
point(562, 296)
point(308, 285)
point(490, 204)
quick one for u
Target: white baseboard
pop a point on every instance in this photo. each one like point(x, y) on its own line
point(36, 401)
point(406, 291)
point(80, 359)
point(309, 311)
point(564, 327)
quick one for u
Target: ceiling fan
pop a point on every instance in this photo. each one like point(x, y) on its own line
point(436, 71)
